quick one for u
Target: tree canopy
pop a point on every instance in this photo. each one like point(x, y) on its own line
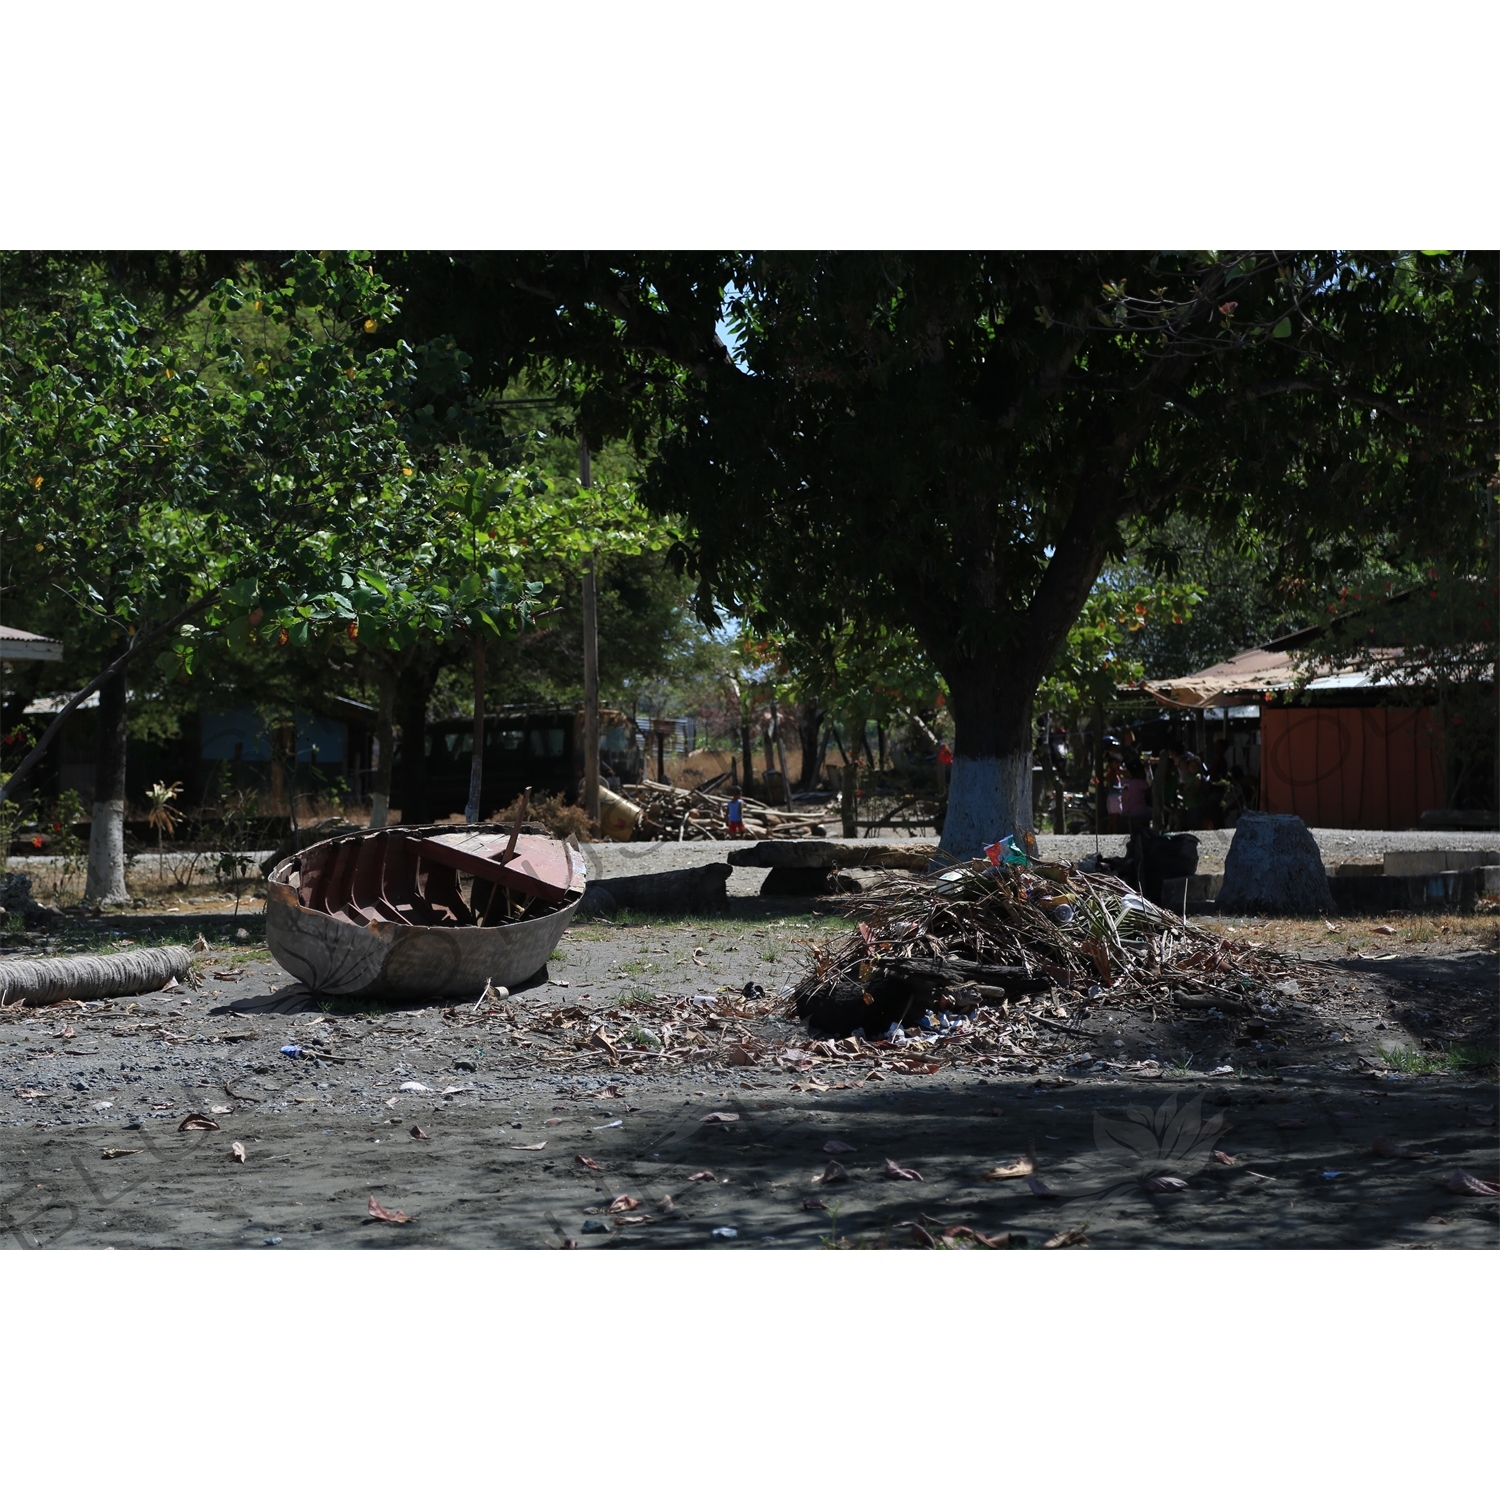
point(961, 442)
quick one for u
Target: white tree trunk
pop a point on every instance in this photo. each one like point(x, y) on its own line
point(106, 872)
point(380, 807)
point(988, 797)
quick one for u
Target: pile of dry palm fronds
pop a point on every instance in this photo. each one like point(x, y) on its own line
point(682, 813)
point(982, 947)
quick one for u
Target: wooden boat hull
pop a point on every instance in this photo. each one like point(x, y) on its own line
point(392, 960)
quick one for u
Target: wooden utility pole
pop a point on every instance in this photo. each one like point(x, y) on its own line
point(476, 757)
point(1098, 768)
point(590, 659)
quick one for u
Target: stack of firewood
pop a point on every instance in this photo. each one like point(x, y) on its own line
point(680, 813)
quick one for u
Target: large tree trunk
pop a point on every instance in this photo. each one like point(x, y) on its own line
point(748, 782)
point(993, 674)
point(989, 785)
point(413, 689)
point(105, 885)
point(809, 731)
point(385, 719)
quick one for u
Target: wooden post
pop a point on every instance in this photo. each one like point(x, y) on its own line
point(786, 785)
point(590, 660)
point(1098, 768)
point(849, 799)
point(476, 760)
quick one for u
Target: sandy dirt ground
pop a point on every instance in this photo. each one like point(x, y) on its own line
point(642, 1092)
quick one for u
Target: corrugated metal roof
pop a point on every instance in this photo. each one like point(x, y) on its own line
point(22, 645)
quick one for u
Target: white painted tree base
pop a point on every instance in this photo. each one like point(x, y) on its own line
point(380, 808)
point(987, 798)
point(105, 885)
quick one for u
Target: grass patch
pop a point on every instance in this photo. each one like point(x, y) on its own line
point(1460, 1059)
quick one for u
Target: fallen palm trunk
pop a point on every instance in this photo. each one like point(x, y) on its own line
point(39, 981)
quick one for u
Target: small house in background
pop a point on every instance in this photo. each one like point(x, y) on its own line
point(535, 745)
point(216, 752)
point(1344, 755)
point(307, 752)
point(22, 645)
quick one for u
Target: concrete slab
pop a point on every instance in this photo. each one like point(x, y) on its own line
point(1431, 861)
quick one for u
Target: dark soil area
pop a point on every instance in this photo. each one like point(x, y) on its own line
point(639, 1029)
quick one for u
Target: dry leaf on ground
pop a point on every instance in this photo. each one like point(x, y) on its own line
point(1384, 930)
point(1225, 1159)
point(702, 1177)
point(721, 1116)
point(833, 1172)
point(955, 1232)
point(387, 1215)
point(623, 1204)
point(1472, 1187)
point(623, 1219)
point(1040, 1188)
point(665, 1205)
point(739, 1057)
point(813, 1203)
point(198, 1122)
point(1023, 1166)
point(837, 1146)
point(1383, 1145)
point(237, 1151)
point(418, 1134)
point(534, 1146)
point(906, 1174)
point(115, 1151)
point(1067, 1238)
point(589, 1162)
point(1164, 1185)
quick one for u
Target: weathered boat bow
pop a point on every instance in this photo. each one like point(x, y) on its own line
point(386, 915)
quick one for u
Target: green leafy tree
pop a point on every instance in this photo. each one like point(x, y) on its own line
point(962, 443)
point(170, 484)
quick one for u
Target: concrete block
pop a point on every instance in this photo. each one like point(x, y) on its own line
point(696, 888)
point(1432, 861)
point(1487, 880)
point(1449, 817)
point(1371, 895)
point(828, 854)
point(1195, 889)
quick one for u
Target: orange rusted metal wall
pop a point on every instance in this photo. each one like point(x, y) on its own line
point(1350, 767)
